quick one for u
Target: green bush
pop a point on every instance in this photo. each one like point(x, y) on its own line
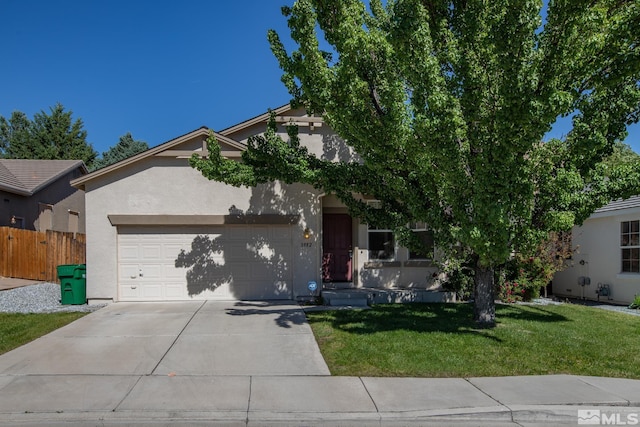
point(459, 276)
point(636, 302)
point(521, 280)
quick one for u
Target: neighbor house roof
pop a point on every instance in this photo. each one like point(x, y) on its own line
point(631, 202)
point(27, 177)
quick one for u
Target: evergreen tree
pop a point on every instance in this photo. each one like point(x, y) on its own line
point(52, 136)
point(15, 135)
point(126, 147)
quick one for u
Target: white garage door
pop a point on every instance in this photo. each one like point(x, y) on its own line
point(237, 262)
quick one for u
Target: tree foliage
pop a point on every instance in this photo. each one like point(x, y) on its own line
point(126, 147)
point(622, 154)
point(447, 104)
point(48, 136)
point(14, 133)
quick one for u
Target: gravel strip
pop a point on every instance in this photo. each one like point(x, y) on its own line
point(595, 304)
point(41, 298)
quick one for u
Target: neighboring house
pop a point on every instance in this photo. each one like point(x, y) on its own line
point(37, 195)
point(158, 230)
point(606, 262)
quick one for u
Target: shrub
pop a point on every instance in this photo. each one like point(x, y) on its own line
point(458, 278)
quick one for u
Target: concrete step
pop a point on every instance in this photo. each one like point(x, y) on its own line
point(356, 299)
point(354, 302)
point(363, 297)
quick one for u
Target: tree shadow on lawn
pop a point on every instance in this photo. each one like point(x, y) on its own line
point(426, 318)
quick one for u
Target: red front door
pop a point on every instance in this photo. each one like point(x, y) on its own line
point(336, 248)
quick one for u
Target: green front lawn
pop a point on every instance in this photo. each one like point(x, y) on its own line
point(441, 340)
point(18, 329)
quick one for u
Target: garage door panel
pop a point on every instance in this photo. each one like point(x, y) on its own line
point(233, 262)
point(128, 271)
point(152, 291)
point(171, 251)
point(129, 251)
point(174, 274)
point(152, 271)
point(129, 291)
point(240, 271)
point(151, 252)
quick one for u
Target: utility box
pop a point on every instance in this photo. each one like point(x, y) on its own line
point(73, 284)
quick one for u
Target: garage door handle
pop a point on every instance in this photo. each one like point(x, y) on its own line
point(134, 276)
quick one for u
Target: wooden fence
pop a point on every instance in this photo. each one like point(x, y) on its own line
point(26, 254)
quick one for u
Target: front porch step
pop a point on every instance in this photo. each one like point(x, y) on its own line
point(363, 297)
point(344, 298)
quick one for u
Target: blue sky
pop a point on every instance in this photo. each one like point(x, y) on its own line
point(157, 69)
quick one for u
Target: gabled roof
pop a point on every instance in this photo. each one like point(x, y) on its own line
point(27, 177)
point(166, 148)
point(79, 183)
point(255, 120)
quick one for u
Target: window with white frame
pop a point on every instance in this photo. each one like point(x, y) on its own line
point(426, 237)
point(630, 246)
point(382, 242)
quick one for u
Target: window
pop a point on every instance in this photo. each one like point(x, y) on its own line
point(426, 237)
point(16, 221)
point(630, 244)
point(382, 244)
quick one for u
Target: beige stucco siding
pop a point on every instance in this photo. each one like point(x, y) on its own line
point(168, 186)
point(320, 141)
point(598, 256)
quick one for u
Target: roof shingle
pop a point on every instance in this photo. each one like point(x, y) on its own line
point(25, 177)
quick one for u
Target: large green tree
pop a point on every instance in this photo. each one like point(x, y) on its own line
point(447, 104)
point(48, 136)
point(14, 133)
point(126, 147)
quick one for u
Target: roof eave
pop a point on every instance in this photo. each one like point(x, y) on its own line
point(15, 190)
point(255, 120)
point(79, 164)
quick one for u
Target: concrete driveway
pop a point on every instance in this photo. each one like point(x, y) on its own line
point(240, 364)
point(179, 338)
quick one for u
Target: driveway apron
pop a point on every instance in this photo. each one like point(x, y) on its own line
point(176, 338)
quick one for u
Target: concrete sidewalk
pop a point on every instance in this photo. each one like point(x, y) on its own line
point(7, 283)
point(311, 400)
point(257, 364)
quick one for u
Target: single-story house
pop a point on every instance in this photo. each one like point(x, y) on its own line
point(37, 195)
point(158, 230)
point(606, 262)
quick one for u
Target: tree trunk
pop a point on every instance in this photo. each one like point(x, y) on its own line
point(484, 306)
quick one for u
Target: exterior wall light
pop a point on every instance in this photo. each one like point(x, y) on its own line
point(307, 233)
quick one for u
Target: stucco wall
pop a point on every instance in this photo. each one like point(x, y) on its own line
point(321, 141)
point(598, 256)
point(168, 186)
point(399, 273)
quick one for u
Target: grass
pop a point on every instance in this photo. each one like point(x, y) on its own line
point(441, 340)
point(18, 329)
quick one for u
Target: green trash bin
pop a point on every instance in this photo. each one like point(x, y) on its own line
point(73, 284)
